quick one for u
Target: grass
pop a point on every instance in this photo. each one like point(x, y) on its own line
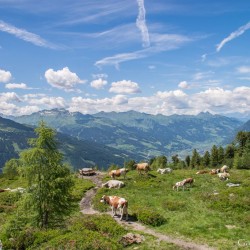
point(207, 213)
point(197, 213)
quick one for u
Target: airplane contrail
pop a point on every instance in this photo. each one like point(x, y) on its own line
point(233, 35)
point(141, 24)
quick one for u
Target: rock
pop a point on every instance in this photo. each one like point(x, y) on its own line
point(131, 238)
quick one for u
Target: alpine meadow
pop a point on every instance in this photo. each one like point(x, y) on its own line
point(124, 125)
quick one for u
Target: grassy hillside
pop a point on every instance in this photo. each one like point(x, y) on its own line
point(80, 231)
point(209, 212)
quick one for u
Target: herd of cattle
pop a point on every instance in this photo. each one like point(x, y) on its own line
point(120, 203)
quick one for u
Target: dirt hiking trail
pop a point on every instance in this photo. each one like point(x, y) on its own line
point(86, 208)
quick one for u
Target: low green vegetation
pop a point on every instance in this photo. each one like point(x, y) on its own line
point(207, 212)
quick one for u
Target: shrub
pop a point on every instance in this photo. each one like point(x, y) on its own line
point(149, 217)
point(173, 205)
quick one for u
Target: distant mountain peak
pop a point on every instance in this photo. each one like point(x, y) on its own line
point(205, 113)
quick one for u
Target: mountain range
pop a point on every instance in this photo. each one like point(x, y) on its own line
point(78, 153)
point(141, 136)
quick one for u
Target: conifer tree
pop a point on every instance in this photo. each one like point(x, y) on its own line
point(49, 179)
point(195, 159)
point(214, 156)
point(206, 159)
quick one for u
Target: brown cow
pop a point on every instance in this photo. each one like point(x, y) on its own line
point(115, 203)
point(142, 167)
point(118, 173)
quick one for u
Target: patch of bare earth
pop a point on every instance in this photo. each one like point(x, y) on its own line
point(86, 208)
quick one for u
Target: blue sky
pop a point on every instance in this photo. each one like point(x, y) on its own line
point(158, 57)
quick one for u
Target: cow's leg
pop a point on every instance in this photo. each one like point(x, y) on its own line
point(121, 212)
point(126, 210)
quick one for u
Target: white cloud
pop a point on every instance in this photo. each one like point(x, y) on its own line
point(16, 86)
point(183, 85)
point(124, 87)
point(203, 57)
point(141, 23)
point(51, 102)
point(62, 79)
point(9, 96)
point(98, 83)
point(151, 67)
point(5, 76)
point(25, 35)
point(202, 75)
point(233, 35)
point(97, 76)
point(244, 69)
point(90, 106)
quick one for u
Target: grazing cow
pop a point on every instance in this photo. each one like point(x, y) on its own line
point(142, 167)
point(113, 184)
point(118, 173)
point(183, 183)
point(223, 176)
point(115, 203)
point(164, 170)
point(202, 172)
point(178, 184)
point(215, 171)
point(224, 169)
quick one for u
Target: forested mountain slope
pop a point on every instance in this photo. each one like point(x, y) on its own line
point(147, 135)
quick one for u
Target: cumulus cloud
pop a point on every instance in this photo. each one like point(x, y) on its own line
point(233, 35)
point(90, 106)
point(98, 83)
point(124, 87)
point(25, 35)
point(141, 23)
point(10, 96)
point(5, 76)
point(183, 85)
point(63, 79)
point(51, 102)
point(244, 69)
point(16, 86)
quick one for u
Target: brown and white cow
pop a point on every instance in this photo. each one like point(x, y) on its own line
point(224, 176)
point(118, 173)
point(215, 171)
point(183, 183)
point(202, 172)
point(142, 167)
point(224, 169)
point(115, 203)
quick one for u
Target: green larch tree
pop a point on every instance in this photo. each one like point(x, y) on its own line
point(49, 179)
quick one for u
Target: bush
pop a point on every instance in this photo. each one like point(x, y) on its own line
point(173, 205)
point(149, 217)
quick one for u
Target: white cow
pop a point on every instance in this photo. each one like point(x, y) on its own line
point(223, 176)
point(164, 170)
point(113, 184)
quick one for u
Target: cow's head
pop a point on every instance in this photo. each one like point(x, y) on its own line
point(104, 199)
